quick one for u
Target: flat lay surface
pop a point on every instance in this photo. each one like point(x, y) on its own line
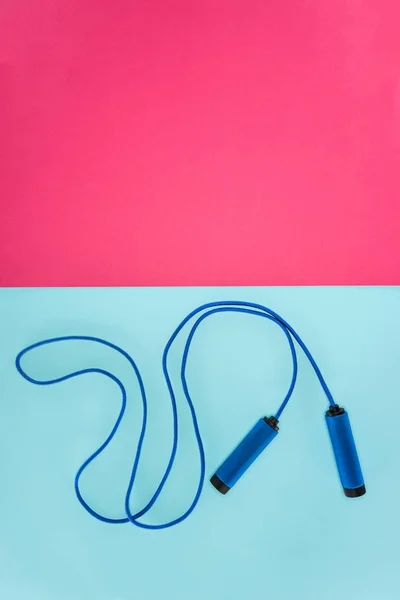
point(286, 530)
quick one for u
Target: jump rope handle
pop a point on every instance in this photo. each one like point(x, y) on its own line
point(245, 453)
point(266, 429)
point(345, 451)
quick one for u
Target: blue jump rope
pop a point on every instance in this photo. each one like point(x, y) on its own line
point(258, 438)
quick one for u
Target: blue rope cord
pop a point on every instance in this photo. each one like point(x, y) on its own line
point(212, 308)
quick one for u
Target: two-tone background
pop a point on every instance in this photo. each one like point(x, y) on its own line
point(155, 155)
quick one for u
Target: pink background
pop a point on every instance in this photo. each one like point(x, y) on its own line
point(199, 142)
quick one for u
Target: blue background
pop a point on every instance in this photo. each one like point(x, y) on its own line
point(286, 531)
